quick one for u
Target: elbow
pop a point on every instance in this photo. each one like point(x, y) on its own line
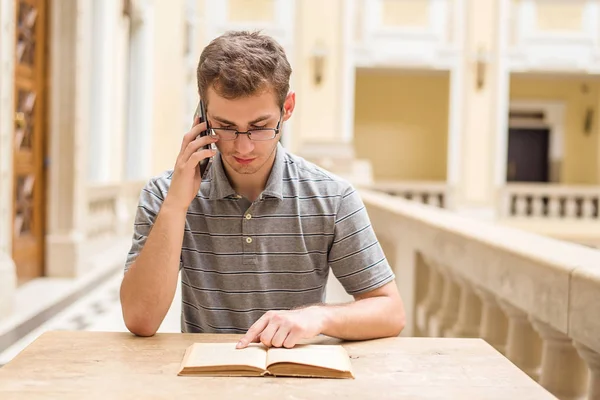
point(398, 323)
point(136, 322)
point(139, 327)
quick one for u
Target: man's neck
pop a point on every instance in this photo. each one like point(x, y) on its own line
point(250, 185)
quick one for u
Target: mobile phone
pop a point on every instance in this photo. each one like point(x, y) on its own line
point(201, 114)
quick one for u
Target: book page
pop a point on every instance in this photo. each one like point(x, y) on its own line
point(326, 356)
point(225, 354)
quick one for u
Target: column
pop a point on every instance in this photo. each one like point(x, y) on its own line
point(494, 326)
point(563, 372)
point(523, 345)
point(592, 358)
point(70, 109)
point(482, 112)
point(469, 311)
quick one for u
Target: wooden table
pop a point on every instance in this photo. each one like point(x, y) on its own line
point(113, 365)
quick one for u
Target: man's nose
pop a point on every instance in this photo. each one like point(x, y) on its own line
point(243, 144)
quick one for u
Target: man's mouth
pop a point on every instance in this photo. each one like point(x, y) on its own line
point(243, 160)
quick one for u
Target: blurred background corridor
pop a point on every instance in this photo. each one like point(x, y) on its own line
point(471, 128)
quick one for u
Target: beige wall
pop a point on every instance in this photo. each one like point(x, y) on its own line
point(401, 124)
point(169, 79)
point(580, 163)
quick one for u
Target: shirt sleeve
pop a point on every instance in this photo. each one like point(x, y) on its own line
point(356, 257)
point(149, 204)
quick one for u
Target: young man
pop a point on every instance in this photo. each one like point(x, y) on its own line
point(255, 239)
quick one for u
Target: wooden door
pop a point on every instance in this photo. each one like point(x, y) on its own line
point(528, 159)
point(29, 138)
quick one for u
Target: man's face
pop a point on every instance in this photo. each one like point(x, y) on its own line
point(243, 155)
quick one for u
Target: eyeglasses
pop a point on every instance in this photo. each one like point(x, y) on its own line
point(256, 134)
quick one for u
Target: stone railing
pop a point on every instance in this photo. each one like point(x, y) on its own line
point(550, 201)
point(102, 211)
point(431, 193)
point(533, 298)
point(111, 209)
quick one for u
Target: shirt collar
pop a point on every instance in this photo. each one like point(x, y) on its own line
point(220, 187)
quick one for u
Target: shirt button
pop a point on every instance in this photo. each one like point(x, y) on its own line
point(248, 216)
point(248, 240)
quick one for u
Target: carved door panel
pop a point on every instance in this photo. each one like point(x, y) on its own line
point(29, 132)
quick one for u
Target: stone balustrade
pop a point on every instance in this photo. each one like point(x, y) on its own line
point(111, 209)
point(550, 201)
point(431, 193)
point(535, 299)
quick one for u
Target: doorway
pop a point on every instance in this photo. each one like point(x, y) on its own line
point(29, 138)
point(528, 155)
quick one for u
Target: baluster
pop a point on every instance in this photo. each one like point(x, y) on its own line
point(587, 208)
point(571, 207)
point(563, 372)
point(494, 325)
point(445, 318)
point(537, 207)
point(592, 359)
point(469, 311)
point(431, 304)
point(521, 210)
point(523, 345)
point(553, 207)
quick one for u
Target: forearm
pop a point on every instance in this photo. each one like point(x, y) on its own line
point(149, 285)
point(369, 318)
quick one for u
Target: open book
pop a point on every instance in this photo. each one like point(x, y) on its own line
point(223, 359)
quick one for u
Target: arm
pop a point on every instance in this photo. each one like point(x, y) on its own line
point(376, 314)
point(149, 285)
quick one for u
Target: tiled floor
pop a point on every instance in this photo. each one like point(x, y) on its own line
point(99, 310)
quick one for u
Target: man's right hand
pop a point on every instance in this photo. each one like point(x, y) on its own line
point(186, 179)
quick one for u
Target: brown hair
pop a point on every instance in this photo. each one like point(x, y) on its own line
point(241, 63)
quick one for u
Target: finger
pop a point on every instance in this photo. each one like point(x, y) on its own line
point(196, 145)
point(266, 337)
point(292, 339)
point(199, 156)
point(191, 135)
point(280, 336)
point(254, 331)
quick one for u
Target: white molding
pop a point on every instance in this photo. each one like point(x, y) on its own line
point(138, 148)
point(408, 47)
point(537, 50)
point(456, 103)
point(502, 96)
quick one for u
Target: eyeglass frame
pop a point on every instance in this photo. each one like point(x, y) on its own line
point(277, 129)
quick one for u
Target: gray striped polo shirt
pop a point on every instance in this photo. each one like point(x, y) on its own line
point(241, 259)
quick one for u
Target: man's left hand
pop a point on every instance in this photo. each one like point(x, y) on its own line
point(285, 328)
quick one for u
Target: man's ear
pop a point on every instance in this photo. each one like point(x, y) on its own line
point(288, 105)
